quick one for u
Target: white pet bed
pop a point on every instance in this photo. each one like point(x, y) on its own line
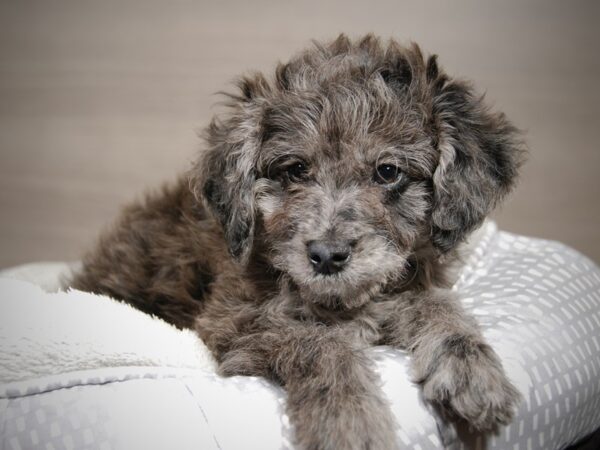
point(81, 371)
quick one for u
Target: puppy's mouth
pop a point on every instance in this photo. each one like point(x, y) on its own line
point(340, 275)
point(342, 303)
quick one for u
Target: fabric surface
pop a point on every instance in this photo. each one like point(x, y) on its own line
point(82, 371)
point(46, 334)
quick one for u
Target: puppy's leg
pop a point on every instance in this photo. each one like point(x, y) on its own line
point(334, 401)
point(450, 358)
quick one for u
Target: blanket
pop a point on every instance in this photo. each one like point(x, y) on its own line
point(79, 370)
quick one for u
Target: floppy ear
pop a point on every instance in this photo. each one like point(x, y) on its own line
point(225, 174)
point(480, 153)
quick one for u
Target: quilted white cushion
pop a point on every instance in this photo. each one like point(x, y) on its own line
point(83, 371)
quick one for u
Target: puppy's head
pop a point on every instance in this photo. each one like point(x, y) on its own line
point(355, 156)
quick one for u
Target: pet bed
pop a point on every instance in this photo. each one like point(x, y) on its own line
point(82, 371)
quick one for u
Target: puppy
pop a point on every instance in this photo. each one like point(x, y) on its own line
point(321, 220)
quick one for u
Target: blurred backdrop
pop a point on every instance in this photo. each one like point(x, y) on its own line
point(101, 100)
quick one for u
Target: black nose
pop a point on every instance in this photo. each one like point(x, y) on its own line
point(328, 257)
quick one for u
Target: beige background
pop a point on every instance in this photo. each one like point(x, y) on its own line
point(100, 100)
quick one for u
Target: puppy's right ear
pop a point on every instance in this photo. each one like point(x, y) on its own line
point(225, 174)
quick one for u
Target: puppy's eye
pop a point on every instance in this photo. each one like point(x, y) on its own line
point(296, 171)
point(386, 174)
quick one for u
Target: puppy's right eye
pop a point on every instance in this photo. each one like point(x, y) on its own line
point(293, 171)
point(296, 171)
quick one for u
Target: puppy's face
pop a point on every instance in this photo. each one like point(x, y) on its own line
point(352, 158)
point(342, 196)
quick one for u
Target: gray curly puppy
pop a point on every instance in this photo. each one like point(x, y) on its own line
point(321, 220)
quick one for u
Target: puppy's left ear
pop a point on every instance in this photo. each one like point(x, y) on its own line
point(225, 175)
point(480, 153)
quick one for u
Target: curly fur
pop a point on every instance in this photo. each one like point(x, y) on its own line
point(224, 250)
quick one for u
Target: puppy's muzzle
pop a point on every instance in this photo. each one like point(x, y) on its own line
point(328, 257)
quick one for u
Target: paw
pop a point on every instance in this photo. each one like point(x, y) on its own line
point(467, 380)
point(327, 422)
point(242, 362)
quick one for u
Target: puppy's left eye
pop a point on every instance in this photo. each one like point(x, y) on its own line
point(297, 171)
point(387, 174)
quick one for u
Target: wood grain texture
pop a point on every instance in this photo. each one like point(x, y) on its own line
point(101, 100)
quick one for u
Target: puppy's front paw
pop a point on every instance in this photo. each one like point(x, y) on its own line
point(354, 421)
point(468, 380)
